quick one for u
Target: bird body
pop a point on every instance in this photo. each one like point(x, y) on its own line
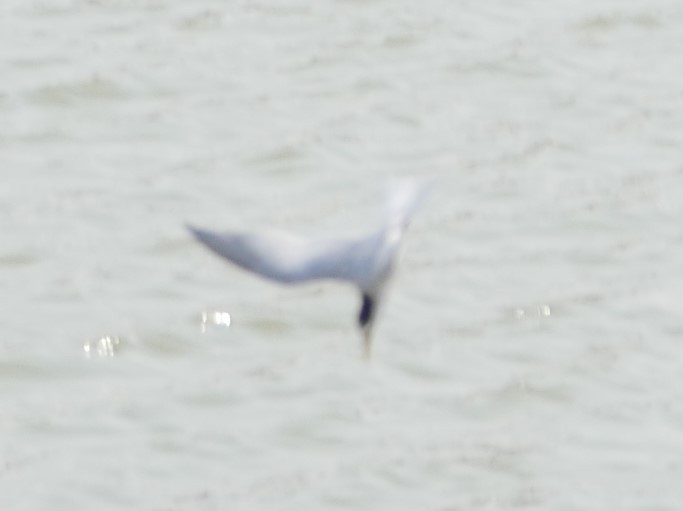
point(367, 262)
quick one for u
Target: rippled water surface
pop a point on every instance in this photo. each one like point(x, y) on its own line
point(530, 354)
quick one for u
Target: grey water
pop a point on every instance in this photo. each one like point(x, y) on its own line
point(530, 352)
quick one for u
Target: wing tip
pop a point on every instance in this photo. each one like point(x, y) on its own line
point(405, 196)
point(203, 236)
point(195, 231)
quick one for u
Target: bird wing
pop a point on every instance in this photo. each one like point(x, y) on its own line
point(283, 257)
point(403, 199)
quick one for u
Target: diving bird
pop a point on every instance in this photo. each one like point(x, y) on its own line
point(367, 262)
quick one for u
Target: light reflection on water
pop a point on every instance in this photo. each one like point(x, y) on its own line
point(106, 346)
point(539, 311)
point(214, 318)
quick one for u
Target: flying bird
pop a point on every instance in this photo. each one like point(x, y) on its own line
point(367, 262)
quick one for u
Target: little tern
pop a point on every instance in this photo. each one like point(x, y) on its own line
point(367, 262)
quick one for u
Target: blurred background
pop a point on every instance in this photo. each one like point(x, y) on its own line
point(529, 355)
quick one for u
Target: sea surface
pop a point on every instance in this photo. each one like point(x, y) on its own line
point(529, 355)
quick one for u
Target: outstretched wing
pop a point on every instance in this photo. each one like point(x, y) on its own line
point(403, 199)
point(282, 257)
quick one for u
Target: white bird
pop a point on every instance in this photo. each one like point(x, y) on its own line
point(367, 262)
